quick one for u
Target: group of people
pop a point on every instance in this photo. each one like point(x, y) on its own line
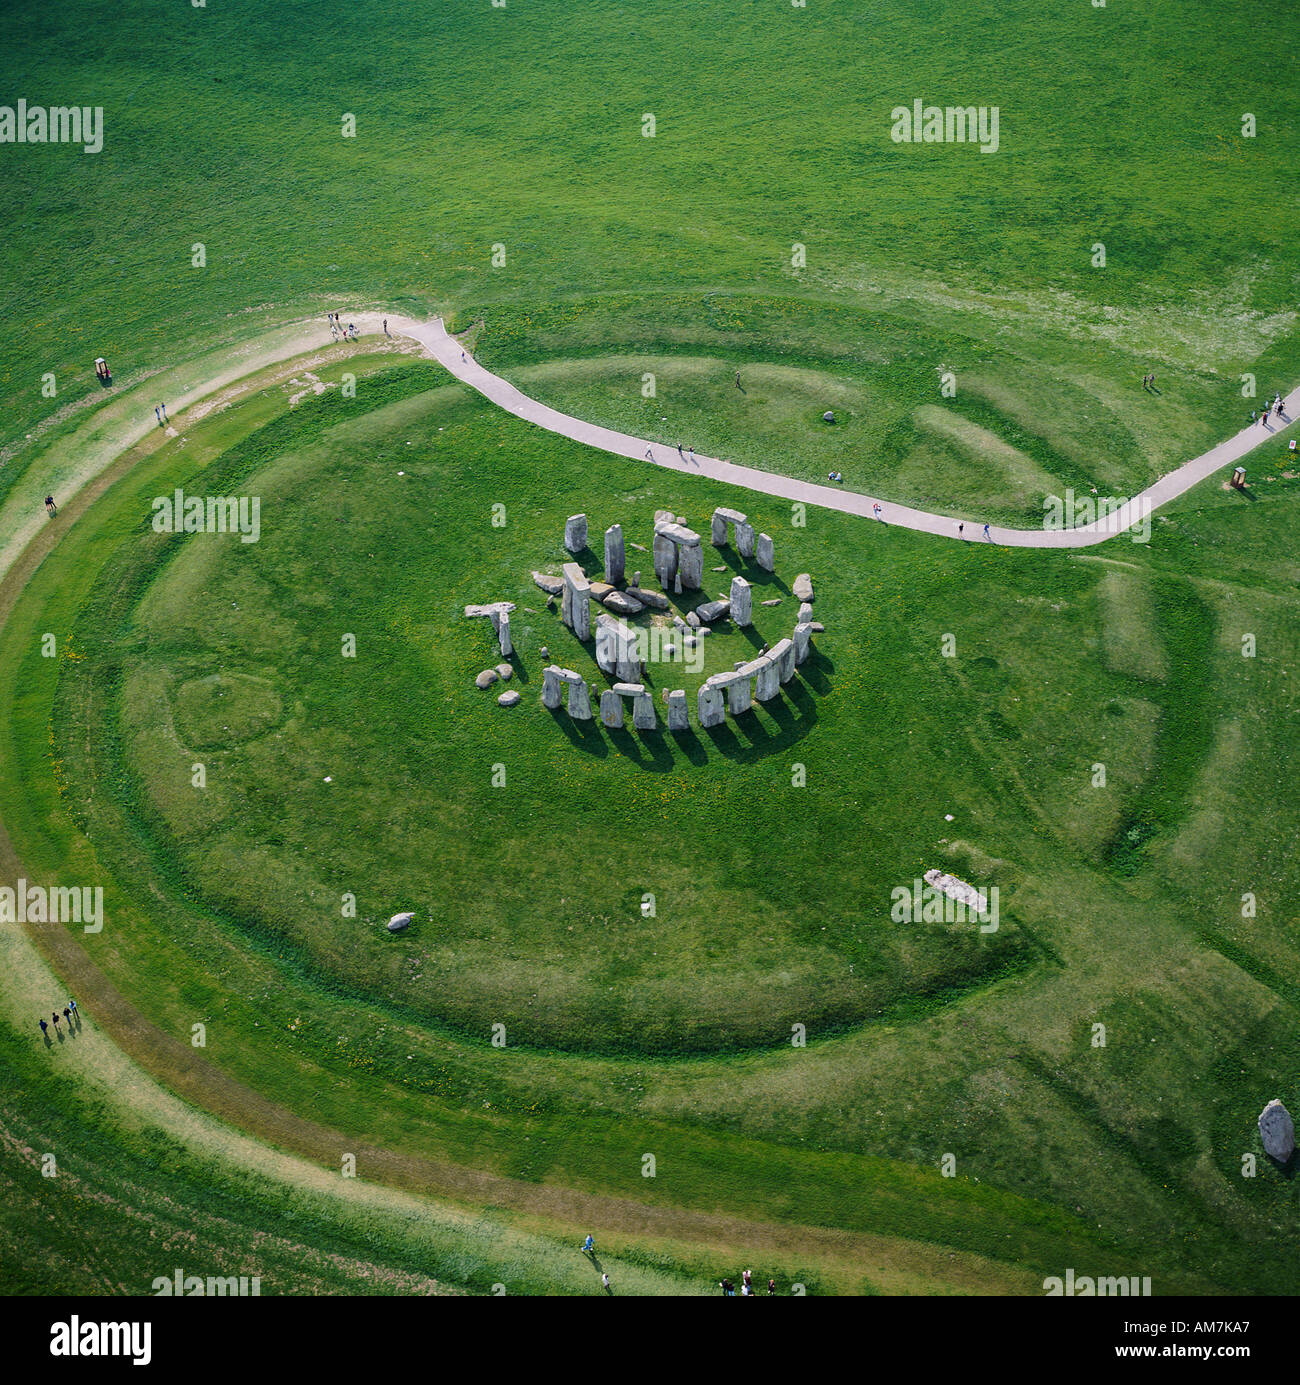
point(835, 476)
point(348, 333)
point(70, 1013)
point(1276, 407)
point(160, 413)
point(746, 1286)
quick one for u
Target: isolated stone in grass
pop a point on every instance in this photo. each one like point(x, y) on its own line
point(773, 601)
point(829, 416)
point(505, 671)
point(400, 921)
point(1277, 1131)
point(486, 678)
point(508, 699)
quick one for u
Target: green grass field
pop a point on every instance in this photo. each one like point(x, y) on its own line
point(971, 1111)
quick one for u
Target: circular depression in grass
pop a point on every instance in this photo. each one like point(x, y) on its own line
point(293, 726)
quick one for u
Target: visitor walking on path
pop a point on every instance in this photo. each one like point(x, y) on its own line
point(589, 1245)
point(67, 1015)
point(987, 535)
point(650, 456)
point(157, 413)
point(386, 331)
point(163, 407)
point(50, 506)
point(960, 527)
point(55, 1017)
point(875, 509)
point(72, 1005)
point(45, 1029)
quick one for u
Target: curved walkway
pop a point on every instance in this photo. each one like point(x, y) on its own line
point(444, 348)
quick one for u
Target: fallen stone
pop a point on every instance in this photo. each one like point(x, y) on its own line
point(600, 590)
point(657, 600)
point(723, 568)
point(693, 620)
point(508, 699)
point(401, 921)
point(803, 588)
point(712, 610)
point(553, 585)
point(486, 678)
point(544, 652)
point(505, 671)
point(829, 416)
point(774, 601)
point(817, 627)
point(622, 604)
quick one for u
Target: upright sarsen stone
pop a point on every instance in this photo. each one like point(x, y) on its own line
point(768, 683)
point(783, 653)
point(503, 634)
point(665, 559)
point(745, 539)
point(1277, 1131)
point(643, 712)
point(579, 697)
point(678, 720)
point(765, 552)
point(611, 709)
point(710, 705)
point(615, 554)
point(553, 686)
point(802, 642)
point(742, 602)
point(576, 608)
point(575, 533)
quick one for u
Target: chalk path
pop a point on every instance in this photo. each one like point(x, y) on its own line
point(444, 348)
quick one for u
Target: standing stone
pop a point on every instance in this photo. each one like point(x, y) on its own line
point(718, 530)
point(643, 712)
point(1277, 1131)
point(579, 697)
point(782, 653)
point(503, 635)
point(690, 558)
point(745, 538)
point(740, 690)
point(805, 614)
point(552, 686)
point(802, 642)
point(803, 588)
point(766, 553)
point(677, 716)
point(615, 554)
point(742, 602)
point(665, 559)
point(577, 601)
point(606, 655)
point(575, 533)
point(710, 705)
point(611, 709)
point(768, 684)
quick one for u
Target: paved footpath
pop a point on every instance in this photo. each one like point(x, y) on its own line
point(433, 336)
